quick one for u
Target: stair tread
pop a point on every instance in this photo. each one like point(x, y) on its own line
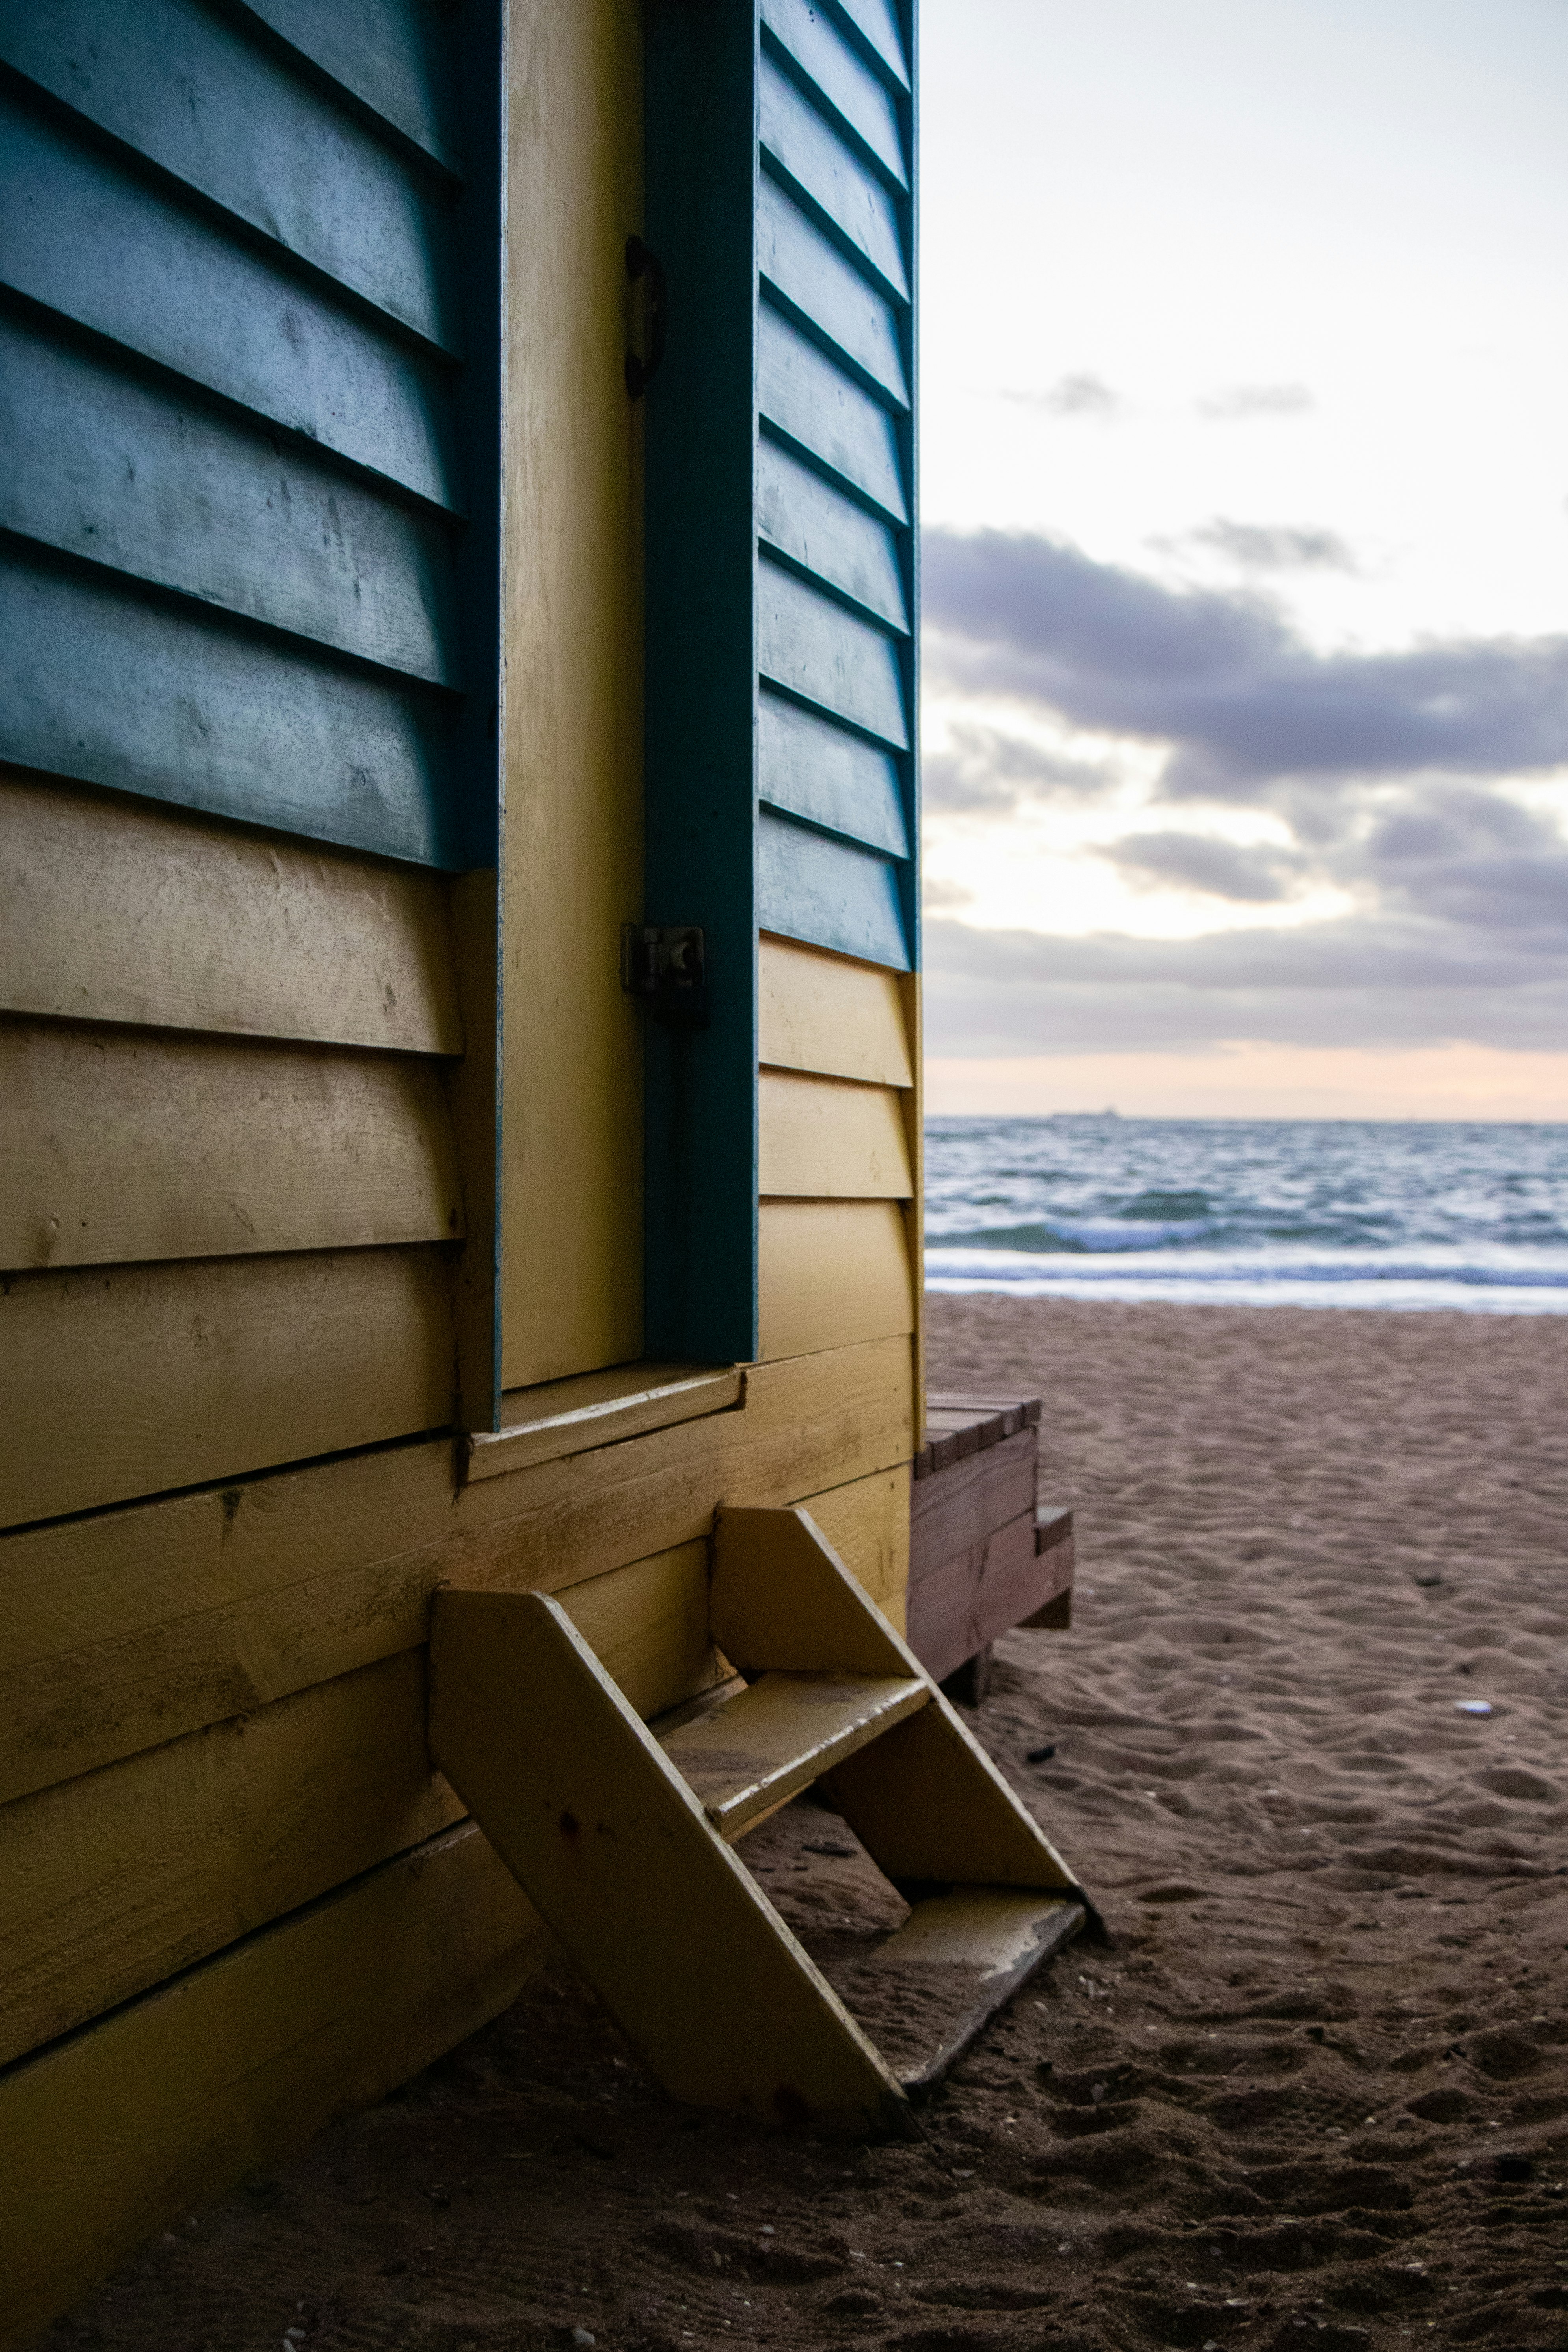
point(775, 1737)
point(926, 1992)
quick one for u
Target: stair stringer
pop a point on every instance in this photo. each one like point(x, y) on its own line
point(610, 1844)
point(925, 1799)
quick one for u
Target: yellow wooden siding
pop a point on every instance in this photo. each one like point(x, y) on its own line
point(115, 1145)
point(822, 1011)
point(824, 1138)
point(867, 1524)
point(240, 2063)
point(832, 1273)
point(572, 703)
point(116, 1880)
point(118, 910)
point(129, 1379)
point(138, 1624)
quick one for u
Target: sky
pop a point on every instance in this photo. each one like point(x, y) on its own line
point(1245, 498)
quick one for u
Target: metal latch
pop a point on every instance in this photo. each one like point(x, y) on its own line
point(666, 964)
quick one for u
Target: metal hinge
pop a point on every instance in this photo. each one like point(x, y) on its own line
point(666, 964)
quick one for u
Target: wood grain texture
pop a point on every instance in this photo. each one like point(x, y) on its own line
point(226, 116)
point(116, 1145)
point(674, 1934)
point(595, 1409)
point(813, 525)
point(572, 470)
point(394, 55)
point(829, 893)
point(822, 1011)
point(138, 1624)
point(867, 1524)
point(647, 1624)
point(832, 1273)
point(809, 644)
point(131, 1379)
point(857, 96)
point(811, 278)
point(84, 235)
point(163, 2106)
point(961, 1505)
point(817, 406)
point(830, 1138)
point(118, 1879)
point(113, 910)
point(808, 153)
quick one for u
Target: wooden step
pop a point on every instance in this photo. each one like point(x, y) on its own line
point(746, 1758)
point(939, 1980)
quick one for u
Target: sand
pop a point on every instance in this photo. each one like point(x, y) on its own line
point(1314, 2093)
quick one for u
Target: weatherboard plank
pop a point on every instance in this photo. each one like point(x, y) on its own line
point(117, 910)
point(815, 160)
point(809, 644)
point(174, 491)
point(98, 683)
point(187, 87)
point(858, 97)
point(88, 237)
point(811, 279)
point(395, 56)
point(830, 1274)
point(829, 1140)
point(814, 405)
point(820, 1012)
point(128, 1381)
point(877, 23)
point(115, 1146)
point(805, 519)
point(829, 893)
point(812, 769)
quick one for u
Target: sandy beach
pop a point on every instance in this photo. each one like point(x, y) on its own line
point(1313, 2096)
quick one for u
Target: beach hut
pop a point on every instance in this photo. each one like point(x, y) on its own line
point(460, 1105)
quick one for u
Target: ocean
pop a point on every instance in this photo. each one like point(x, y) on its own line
point(1239, 1213)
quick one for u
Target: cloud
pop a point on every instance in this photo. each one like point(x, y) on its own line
point(1223, 678)
point(983, 770)
point(1075, 396)
point(1275, 547)
point(1240, 403)
point(1195, 861)
point(1369, 982)
point(1392, 775)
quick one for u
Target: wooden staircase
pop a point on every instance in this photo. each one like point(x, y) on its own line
point(625, 1840)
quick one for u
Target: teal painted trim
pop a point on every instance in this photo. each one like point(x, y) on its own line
point(876, 24)
point(393, 55)
point(812, 282)
point(829, 893)
point(803, 522)
point(814, 408)
point(808, 645)
point(701, 675)
point(812, 50)
point(855, 206)
point(810, 769)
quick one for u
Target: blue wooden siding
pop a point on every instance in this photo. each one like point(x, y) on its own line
point(247, 395)
point(782, 573)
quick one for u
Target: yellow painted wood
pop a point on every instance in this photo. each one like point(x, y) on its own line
point(116, 1880)
point(117, 910)
point(782, 1601)
point(571, 695)
point(647, 1624)
point(126, 1380)
point(925, 1800)
point(827, 1138)
point(832, 1273)
point(564, 1417)
point(913, 1105)
point(116, 1145)
point(933, 1806)
point(779, 1735)
point(867, 1524)
point(682, 1947)
point(822, 1011)
point(107, 2137)
point(138, 1625)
